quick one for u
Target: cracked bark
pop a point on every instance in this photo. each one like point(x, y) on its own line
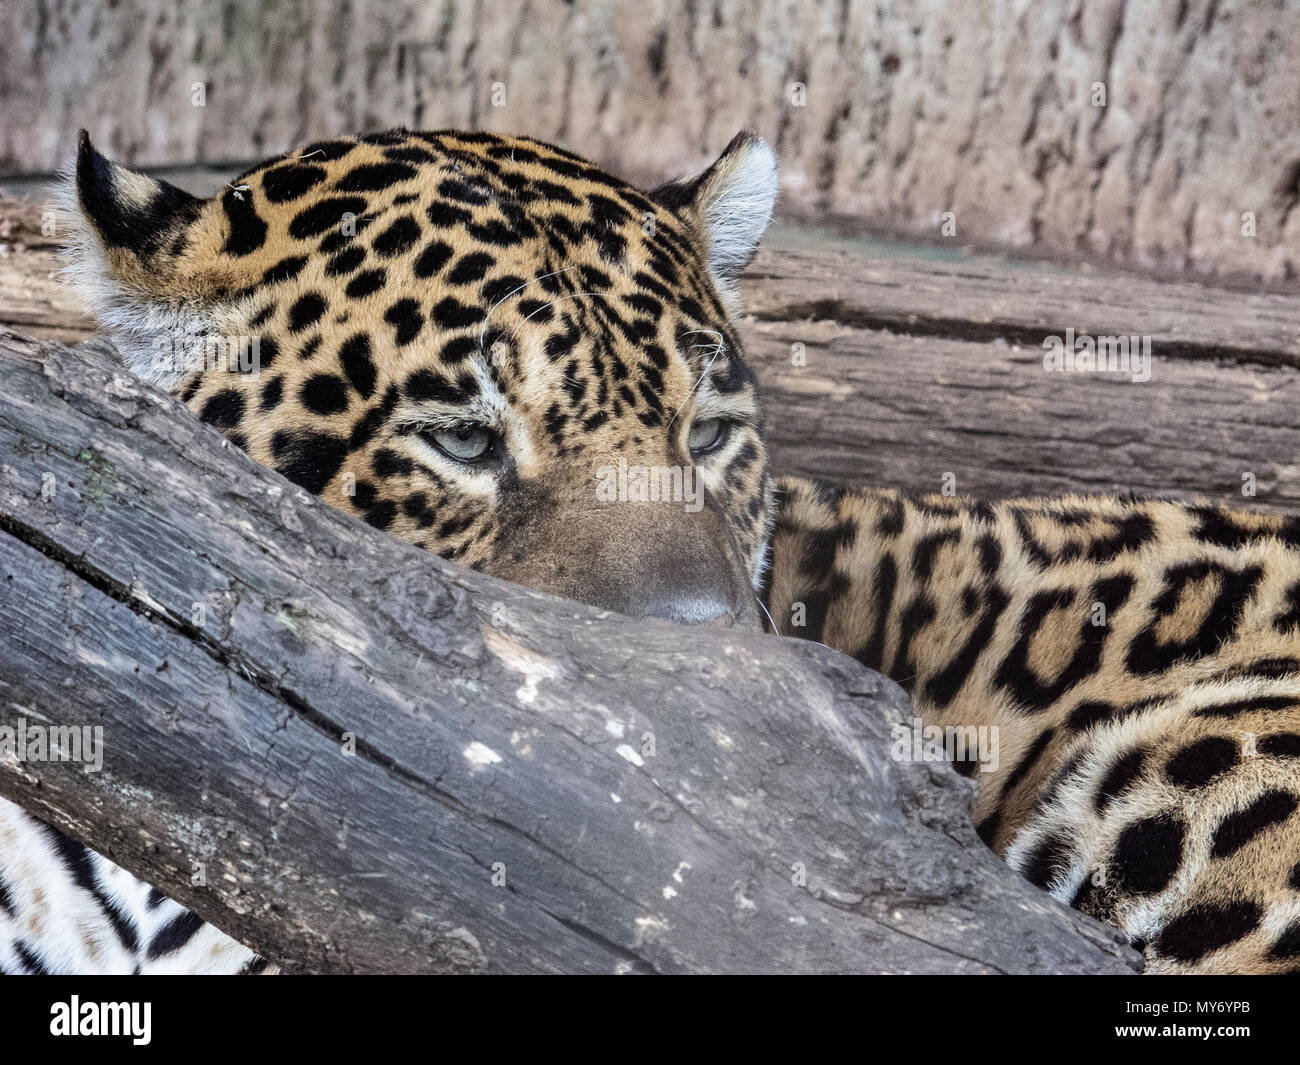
point(495, 731)
point(908, 370)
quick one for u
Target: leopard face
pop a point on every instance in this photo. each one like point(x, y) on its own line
point(483, 345)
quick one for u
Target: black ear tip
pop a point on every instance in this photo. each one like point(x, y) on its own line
point(86, 153)
point(93, 170)
point(97, 189)
point(129, 210)
point(741, 140)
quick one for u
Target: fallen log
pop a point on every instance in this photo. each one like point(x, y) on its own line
point(897, 374)
point(357, 757)
point(32, 299)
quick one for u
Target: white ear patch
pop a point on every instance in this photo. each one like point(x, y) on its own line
point(734, 203)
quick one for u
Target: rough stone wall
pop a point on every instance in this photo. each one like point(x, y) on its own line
point(891, 112)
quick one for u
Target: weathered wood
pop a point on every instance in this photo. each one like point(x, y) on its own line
point(915, 370)
point(985, 300)
point(32, 299)
point(648, 792)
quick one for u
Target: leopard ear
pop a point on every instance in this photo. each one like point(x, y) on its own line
point(128, 236)
point(730, 203)
point(129, 213)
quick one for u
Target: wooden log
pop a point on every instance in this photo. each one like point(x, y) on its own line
point(915, 370)
point(986, 300)
point(385, 763)
point(32, 299)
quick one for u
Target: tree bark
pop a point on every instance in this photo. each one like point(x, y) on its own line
point(385, 763)
point(912, 370)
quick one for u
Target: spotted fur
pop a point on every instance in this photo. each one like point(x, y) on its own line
point(1140, 662)
point(405, 284)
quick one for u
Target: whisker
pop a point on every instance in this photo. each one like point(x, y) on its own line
point(698, 380)
point(763, 606)
point(571, 296)
point(483, 332)
point(717, 348)
point(709, 332)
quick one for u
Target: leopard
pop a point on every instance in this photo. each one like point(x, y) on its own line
point(1121, 678)
point(456, 336)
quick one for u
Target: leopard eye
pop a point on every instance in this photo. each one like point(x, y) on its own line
point(464, 443)
point(707, 435)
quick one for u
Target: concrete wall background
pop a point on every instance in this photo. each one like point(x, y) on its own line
point(910, 108)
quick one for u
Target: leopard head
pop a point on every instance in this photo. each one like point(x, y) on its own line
point(485, 345)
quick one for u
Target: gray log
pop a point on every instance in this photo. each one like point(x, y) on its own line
point(229, 633)
point(912, 370)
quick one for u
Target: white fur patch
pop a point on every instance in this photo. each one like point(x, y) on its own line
point(736, 205)
point(52, 921)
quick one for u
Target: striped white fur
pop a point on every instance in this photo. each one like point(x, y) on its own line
point(65, 909)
